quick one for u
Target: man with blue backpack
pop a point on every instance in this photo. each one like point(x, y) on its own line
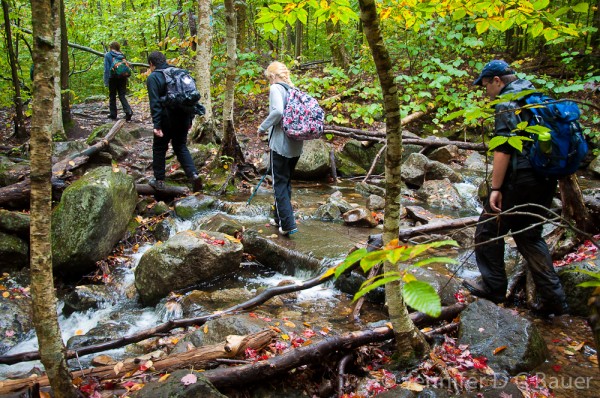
point(116, 72)
point(521, 178)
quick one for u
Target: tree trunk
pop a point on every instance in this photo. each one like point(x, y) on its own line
point(298, 40)
point(58, 129)
point(180, 25)
point(193, 26)
point(45, 21)
point(338, 50)
point(229, 146)
point(203, 130)
point(410, 343)
point(65, 97)
point(19, 119)
point(595, 41)
point(573, 205)
point(241, 8)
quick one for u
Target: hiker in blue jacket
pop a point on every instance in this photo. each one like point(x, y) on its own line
point(116, 85)
point(514, 183)
point(284, 152)
point(170, 125)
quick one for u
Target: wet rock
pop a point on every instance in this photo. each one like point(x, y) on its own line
point(117, 151)
point(165, 229)
point(475, 161)
point(314, 162)
point(594, 166)
point(439, 171)
point(160, 208)
point(103, 360)
point(188, 207)
point(346, 167)
point(91, 218)
point(414, 169)
point(217, 330)
point(15, 315)
point(86, 297)
point(337, 200)
point(328, 212)
point(186, 259)
point(440, 193)
point(174, 387)
point(443, 284)
point(11, 172)
point(15, 223)
point(486, 326)
point(14, 253)
point(222, 223)
point(369, 189)
point(243, 209)
point(363, 155)
point(420, 214)
point(351, 283)
point(100, 334)
point(64, 149)
point(359, 217)
point(577, 296)
point(375, 202)
point(276, 257)
point(445, 154)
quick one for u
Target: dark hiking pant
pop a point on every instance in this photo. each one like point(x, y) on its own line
point(176, 133)
point(117, 86)
point(525, 188)
point(281, 172)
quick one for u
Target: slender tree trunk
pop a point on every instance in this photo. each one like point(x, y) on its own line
point(595, 41)
point(241, 8)
point(180, 25)
point(19, 119)
point(336, 44)
point(65, 97)
point(193, 26)
point(58, 129)
point(45, 21)
point(410, 343)
point(298, 40)
point(573, 205)
point(203, 130)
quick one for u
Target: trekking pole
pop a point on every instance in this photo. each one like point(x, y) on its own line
point(256, 189)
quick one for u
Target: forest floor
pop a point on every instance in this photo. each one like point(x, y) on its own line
point(569, 339)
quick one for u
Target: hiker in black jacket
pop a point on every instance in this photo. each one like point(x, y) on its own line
point(116, 85)
point(169, 125)
point(514, 183)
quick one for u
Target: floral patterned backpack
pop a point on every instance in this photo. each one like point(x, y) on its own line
point(303, 118)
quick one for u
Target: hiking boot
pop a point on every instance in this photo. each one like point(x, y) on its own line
point(283, 232)
point(274, 222)
point(196, 181)
point(159, 185)
point(480, 290)
point(112, 117)
point(128, 116)
point(550, 311)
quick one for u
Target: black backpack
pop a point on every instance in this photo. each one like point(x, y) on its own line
point(181, 90)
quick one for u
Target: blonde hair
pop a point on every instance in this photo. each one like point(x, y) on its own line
point(278, 70)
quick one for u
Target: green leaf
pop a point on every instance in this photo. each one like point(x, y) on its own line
point(496, 142)
point(589, 284)
point(375, 284)
point(278, 24)
point(353, 257)
point(522, 125)
point(540, 4)
point(372, 259)
point(581, 7)
point(264, 19)
point(516, 142)
point(537, 28)
point(431, 260)
point(422, 297)
point(482, 26)
point(276, 7)
point(459, 14)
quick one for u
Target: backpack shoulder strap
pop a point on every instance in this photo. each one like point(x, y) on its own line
point(287, 88)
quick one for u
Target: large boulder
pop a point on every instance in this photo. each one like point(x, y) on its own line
point(445, 154)
point(485, 327)
point(188, 207)
point(439, 171)
point(175, 387)
point(414, 169)
point(186, 259)
point(91, 218)
point(314, 162)
point(14, 253)
point(577, 296)
point(363, 155)
point(440, 193)
point(14, 223)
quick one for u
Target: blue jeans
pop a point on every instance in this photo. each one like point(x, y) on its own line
point(526, 187)
point(281, 172)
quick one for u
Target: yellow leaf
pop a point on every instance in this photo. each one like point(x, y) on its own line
point(6, 294)
point(71, 163)
point(389, 325)
point(328, 273)
point(285, 337)
point(205, 330)
point(306, 324)
point(225, 166)
point(499, 349)
point(118, 368)
point(411, 385)
point(78, 332)
point(232, 239)
point(164, 377)
point(2, 287)
point(289, 324)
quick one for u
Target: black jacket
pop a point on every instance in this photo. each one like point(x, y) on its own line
point(164, 118)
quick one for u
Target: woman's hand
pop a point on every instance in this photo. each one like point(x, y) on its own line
point(496, 201)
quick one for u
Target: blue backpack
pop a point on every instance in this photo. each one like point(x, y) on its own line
point(568, 144)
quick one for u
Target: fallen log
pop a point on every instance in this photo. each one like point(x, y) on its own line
point(168, 192)
point(18, 194)
point(406, 233)
point(197, 358)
